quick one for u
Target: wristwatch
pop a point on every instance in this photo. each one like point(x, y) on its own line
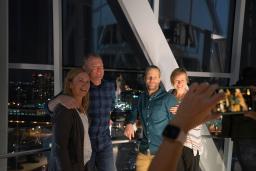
point(174, 133)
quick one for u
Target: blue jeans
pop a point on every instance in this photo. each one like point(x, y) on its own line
point(102, 159)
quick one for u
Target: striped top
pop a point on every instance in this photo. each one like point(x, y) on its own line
point(194, 140)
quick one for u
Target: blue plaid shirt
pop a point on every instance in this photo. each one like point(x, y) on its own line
point(101, 104)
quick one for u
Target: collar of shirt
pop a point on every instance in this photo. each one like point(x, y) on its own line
point(96, 86)
point(160, 90)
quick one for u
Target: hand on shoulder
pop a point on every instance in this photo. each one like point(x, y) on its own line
point(65, 100)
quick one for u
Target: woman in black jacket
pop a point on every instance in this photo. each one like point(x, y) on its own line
point(71, 148)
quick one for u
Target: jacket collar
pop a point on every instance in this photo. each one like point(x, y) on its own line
point(159, 91)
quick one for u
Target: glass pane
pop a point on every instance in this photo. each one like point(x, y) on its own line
point(249, 36)
point(76, 28)
point(35, 162)
point(29, 125)
point(30, 31)
point(211, 80)
point(91, 27)
point(199, 33)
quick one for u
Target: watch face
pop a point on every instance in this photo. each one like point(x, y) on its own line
point(171, 131)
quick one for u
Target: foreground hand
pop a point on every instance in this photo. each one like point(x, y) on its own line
point(196, 106)
point(129, 131)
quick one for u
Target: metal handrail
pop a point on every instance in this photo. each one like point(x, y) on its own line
point(28, 152)
point(24, 153)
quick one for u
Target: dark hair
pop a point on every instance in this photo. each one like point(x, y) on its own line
point(151, 67)
point(176, 72)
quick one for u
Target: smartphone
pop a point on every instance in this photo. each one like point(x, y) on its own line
point(237, 100)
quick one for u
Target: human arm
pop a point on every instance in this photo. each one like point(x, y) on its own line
point(172, 104)
point(113, 102)
point(188, 116)
point(129, 131)
point(67, 101)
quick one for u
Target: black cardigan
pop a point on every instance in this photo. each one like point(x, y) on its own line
point(68, 141)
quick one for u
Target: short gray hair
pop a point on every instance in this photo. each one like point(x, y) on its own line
point(87, 58)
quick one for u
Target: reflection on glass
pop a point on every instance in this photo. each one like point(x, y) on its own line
point(199, 34)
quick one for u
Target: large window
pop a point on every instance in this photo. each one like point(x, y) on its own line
point(199, 33)
point(30, 32)
point(87, 26)
point(30, 81)
point(249, 36)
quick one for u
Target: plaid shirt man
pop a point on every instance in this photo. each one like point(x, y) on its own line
point(101, 104)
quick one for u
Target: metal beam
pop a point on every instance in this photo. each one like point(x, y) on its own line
point(156, 8)
point(57, 45)
point(30, 66)
point(149, 36)
point(209, 74)
point(237, 40)
point(4, 55)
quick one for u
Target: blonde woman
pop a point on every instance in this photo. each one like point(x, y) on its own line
point(189, 160)
point(71, 149)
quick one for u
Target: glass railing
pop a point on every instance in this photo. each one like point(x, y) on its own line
point(124, 151)
point(36, 160)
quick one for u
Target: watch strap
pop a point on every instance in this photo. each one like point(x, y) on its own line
point(182, 137)
point(174, 133)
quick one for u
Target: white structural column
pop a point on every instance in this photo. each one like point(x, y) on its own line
point(150, 36)
point(57, 45)
point(4, 81)
point(237, 40)
point(157, 51)
point(210, 160)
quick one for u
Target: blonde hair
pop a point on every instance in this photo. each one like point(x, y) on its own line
point(67, 90)
point(176, 72)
